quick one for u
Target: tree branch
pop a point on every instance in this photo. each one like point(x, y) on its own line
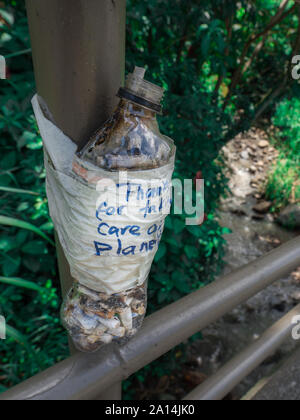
point(182, 43)
point(280, 15)
point(229, 27)
point(257, 50)
point(287, 78)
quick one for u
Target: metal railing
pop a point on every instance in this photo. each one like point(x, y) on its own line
point(90, 63)
point(86, 377)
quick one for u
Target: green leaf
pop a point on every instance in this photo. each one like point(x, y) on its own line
point(18, 282)
point(162, 279)
point(7, 16)
point(180, 282)
point(8, 221)
point(191, 251)
point(162, 297)
point(168, 223)
point(34, 248)
point(226, 231)
point(21, 238)
point(17, 191)
point(206, 44)
point(31, 140)
point(21, 339)
point(6, 179)
point(11, 266)
point(178, 226)
point(33, 264)
point(9, 160)
point(7, 244)
point(161, 252)
point(174, 242)
point(195, 230)
point(47, 226)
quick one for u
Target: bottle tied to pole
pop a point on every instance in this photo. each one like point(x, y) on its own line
point(141, 92)
point(111, 304)
point(124, 142)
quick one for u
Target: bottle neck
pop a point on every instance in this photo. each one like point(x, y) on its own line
point(130, 108)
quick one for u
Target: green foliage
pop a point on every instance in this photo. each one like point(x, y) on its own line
point(287, 119)
point(283, 183)
point(193, 49)
point(22, 283)
point(35, 338)
point(32, 247)
point(188, 258)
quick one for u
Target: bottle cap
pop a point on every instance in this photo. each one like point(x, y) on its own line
point(142, 92)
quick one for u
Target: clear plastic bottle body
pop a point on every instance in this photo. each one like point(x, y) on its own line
point(129, 141)
point(94, 319)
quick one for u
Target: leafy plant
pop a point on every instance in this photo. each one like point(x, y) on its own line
point(283, 184)
point(29, 297)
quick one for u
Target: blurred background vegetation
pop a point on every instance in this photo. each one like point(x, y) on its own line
point(226, 66)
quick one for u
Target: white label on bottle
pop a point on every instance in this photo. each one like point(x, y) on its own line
point(111, 233)
point(130, 216)
point(109, 224)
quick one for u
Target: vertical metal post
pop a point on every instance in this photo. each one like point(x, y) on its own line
point(79, 61)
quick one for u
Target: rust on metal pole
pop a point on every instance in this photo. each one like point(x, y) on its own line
point(78, 51)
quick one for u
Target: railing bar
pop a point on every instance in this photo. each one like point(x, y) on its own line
point(283, 385)
point(83, 377)
point(230, 375)
point(114, 393)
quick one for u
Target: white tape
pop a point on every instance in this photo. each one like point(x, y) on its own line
point(109, 223)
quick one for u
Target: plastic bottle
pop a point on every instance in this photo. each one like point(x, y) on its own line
point(129, 141)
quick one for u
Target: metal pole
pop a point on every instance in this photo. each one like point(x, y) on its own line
point(284, 384)
point(82, 377)
point(230, 375)
point(78, 51)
